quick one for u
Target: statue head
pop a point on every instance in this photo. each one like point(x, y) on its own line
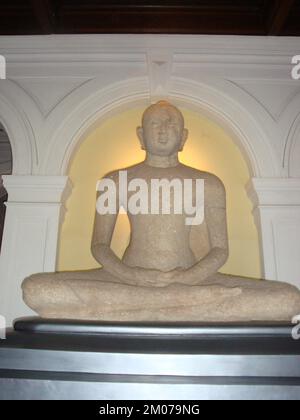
point(162, 132)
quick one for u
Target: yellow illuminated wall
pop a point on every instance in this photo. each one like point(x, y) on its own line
point(114, 145)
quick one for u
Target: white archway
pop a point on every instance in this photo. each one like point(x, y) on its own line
point(219, 107)
point(292, 152)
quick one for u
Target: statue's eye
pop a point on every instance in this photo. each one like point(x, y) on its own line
point(171, 123)
point(155, 125)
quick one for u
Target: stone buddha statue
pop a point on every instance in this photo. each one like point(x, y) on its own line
point(159, 277)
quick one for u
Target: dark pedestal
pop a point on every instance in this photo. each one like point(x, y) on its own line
point(63, 360)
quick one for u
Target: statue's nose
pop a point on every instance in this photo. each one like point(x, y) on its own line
point(163, 128)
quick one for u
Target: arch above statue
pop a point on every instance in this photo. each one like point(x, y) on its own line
point(248, 134)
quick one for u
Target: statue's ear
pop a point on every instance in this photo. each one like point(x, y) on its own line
point(140, 134)
point(185, 135)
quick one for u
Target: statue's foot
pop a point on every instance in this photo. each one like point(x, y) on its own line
point(96, 295)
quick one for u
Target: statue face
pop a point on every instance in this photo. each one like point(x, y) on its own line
point(163, 132)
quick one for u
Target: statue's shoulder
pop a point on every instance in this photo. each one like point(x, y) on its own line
point(213, 181)
point(115, 175)
point(215, 193)
point(210, 179)
point(214, 189)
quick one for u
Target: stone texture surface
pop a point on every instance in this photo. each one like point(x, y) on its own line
point(220, 299)
point(160, 278)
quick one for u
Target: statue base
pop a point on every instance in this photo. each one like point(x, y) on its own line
point(47, 359)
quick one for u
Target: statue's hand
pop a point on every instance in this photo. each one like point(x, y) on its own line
point(181, 276)
point(147, 278)
point(172, 277)
point(154, 278)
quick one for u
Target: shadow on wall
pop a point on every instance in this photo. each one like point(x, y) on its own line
point(5, 169)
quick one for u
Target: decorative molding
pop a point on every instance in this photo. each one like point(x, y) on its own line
point(215, 46)
point(37, 189)
point(86, 115)
point(50, 92)
point(160, 69)
point(273, 95)
point(274, 192)
point(291, 158)
point(204, 98)
point(218, 55)
point(159, 61)
point(249, 134)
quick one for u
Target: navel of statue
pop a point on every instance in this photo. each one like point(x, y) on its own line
point(159, 277)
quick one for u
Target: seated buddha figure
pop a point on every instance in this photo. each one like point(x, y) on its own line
point(160, 279)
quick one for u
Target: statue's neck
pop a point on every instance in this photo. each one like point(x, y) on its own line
point(162, 161)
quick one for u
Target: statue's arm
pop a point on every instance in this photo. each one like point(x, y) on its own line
point(102, 236)
point(104, 227)
point(218, 255)
point(102, 252)
point(216, 220)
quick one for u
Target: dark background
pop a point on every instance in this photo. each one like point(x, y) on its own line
point(227, 17)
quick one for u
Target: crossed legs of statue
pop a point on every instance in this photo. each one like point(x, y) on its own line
point(97, 295)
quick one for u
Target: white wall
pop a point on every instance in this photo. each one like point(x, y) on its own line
point(60, 87)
